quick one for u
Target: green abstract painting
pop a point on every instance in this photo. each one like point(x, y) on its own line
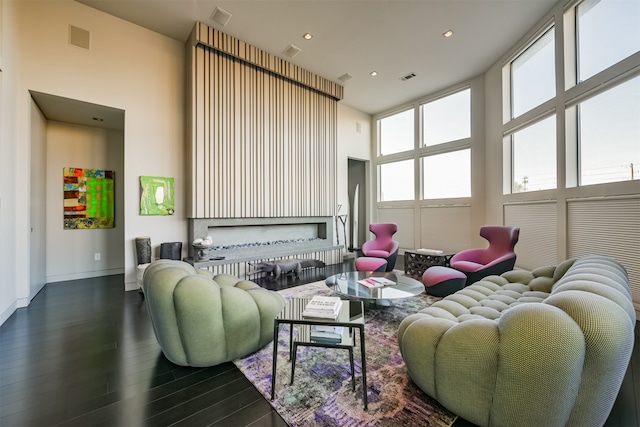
point(156, 195)
point(88, 198)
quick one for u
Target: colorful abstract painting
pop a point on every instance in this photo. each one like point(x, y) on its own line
point(156, 195)
point(88, 198)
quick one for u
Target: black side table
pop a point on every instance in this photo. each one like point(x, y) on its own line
point(351, 317)
point(416, 263)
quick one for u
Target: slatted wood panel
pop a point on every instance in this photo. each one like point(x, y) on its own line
point(205, 35)
point(260, 144)
point(608, 226)
point(537, 245)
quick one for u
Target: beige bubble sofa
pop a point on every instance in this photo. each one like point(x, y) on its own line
point(202, 320)
point(547, 347)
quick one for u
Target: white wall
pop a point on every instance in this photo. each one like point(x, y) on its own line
point(9, 189)
point(354, 141)
point(70, 253)
point(38, 200)
point(127, 67)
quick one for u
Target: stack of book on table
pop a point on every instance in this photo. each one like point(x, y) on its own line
point(326, 334)
point(323, 307)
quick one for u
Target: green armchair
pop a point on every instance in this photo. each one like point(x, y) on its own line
point(202, 320)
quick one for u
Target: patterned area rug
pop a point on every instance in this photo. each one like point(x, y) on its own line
point(321, 394)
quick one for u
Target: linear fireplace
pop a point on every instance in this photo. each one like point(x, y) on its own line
point(241, 240)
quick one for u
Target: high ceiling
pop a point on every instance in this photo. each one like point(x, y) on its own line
point(393, 37)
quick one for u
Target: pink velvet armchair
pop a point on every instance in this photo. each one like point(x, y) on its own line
point(498, 258)
point(383, 246)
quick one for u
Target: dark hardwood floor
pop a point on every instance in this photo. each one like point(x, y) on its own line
point(83, 353)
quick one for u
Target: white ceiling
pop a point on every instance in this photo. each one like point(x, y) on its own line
point(67, 110)
point(392, 37)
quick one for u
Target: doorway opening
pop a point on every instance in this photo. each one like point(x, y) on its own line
point(357, 192)
point(71, 133)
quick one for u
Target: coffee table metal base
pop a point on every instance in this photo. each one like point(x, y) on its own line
point(291, 317)
point(312, 344)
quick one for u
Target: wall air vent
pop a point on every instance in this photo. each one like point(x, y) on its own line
point(79, 37)
point(407, 77)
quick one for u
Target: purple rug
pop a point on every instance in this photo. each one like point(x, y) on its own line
point(321, 394)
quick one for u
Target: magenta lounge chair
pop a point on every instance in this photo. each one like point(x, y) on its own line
point(498, 258)
point(383, 246)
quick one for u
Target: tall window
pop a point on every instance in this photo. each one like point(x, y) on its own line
point(447, 175)
point(533, 75)
point(601, 117)
point(608, 31)
point(396, 133)
point(396, 181)
point(534, 157)
point(444, 151)
point(609, 135)
point(447, 119)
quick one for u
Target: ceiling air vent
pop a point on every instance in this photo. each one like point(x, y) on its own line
point(292, 51)
point(221, 16)
point(345, 77)
point(407, 77)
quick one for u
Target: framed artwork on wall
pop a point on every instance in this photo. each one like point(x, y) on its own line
point(156, 195)
point(88, 198)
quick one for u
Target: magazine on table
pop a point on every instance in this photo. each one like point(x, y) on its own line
point(376, 282)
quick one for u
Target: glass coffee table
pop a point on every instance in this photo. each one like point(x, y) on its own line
point(347, 284)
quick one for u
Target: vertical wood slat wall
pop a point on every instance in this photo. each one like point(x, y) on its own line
point(260, 144)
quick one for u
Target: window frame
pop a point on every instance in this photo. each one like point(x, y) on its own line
point(423, 197)
point(569, 93)
point(549, 29)
point(420, 151)
point(510, 138)
point(379, 167)
point(421, 113)
point(379, 130)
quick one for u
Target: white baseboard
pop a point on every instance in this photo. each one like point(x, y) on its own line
point(8, 312)
point(131, 286)
point(84, 275)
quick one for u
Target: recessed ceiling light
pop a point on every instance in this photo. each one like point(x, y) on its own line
point(307, 36)
point(374, 73)
point(448, 33)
